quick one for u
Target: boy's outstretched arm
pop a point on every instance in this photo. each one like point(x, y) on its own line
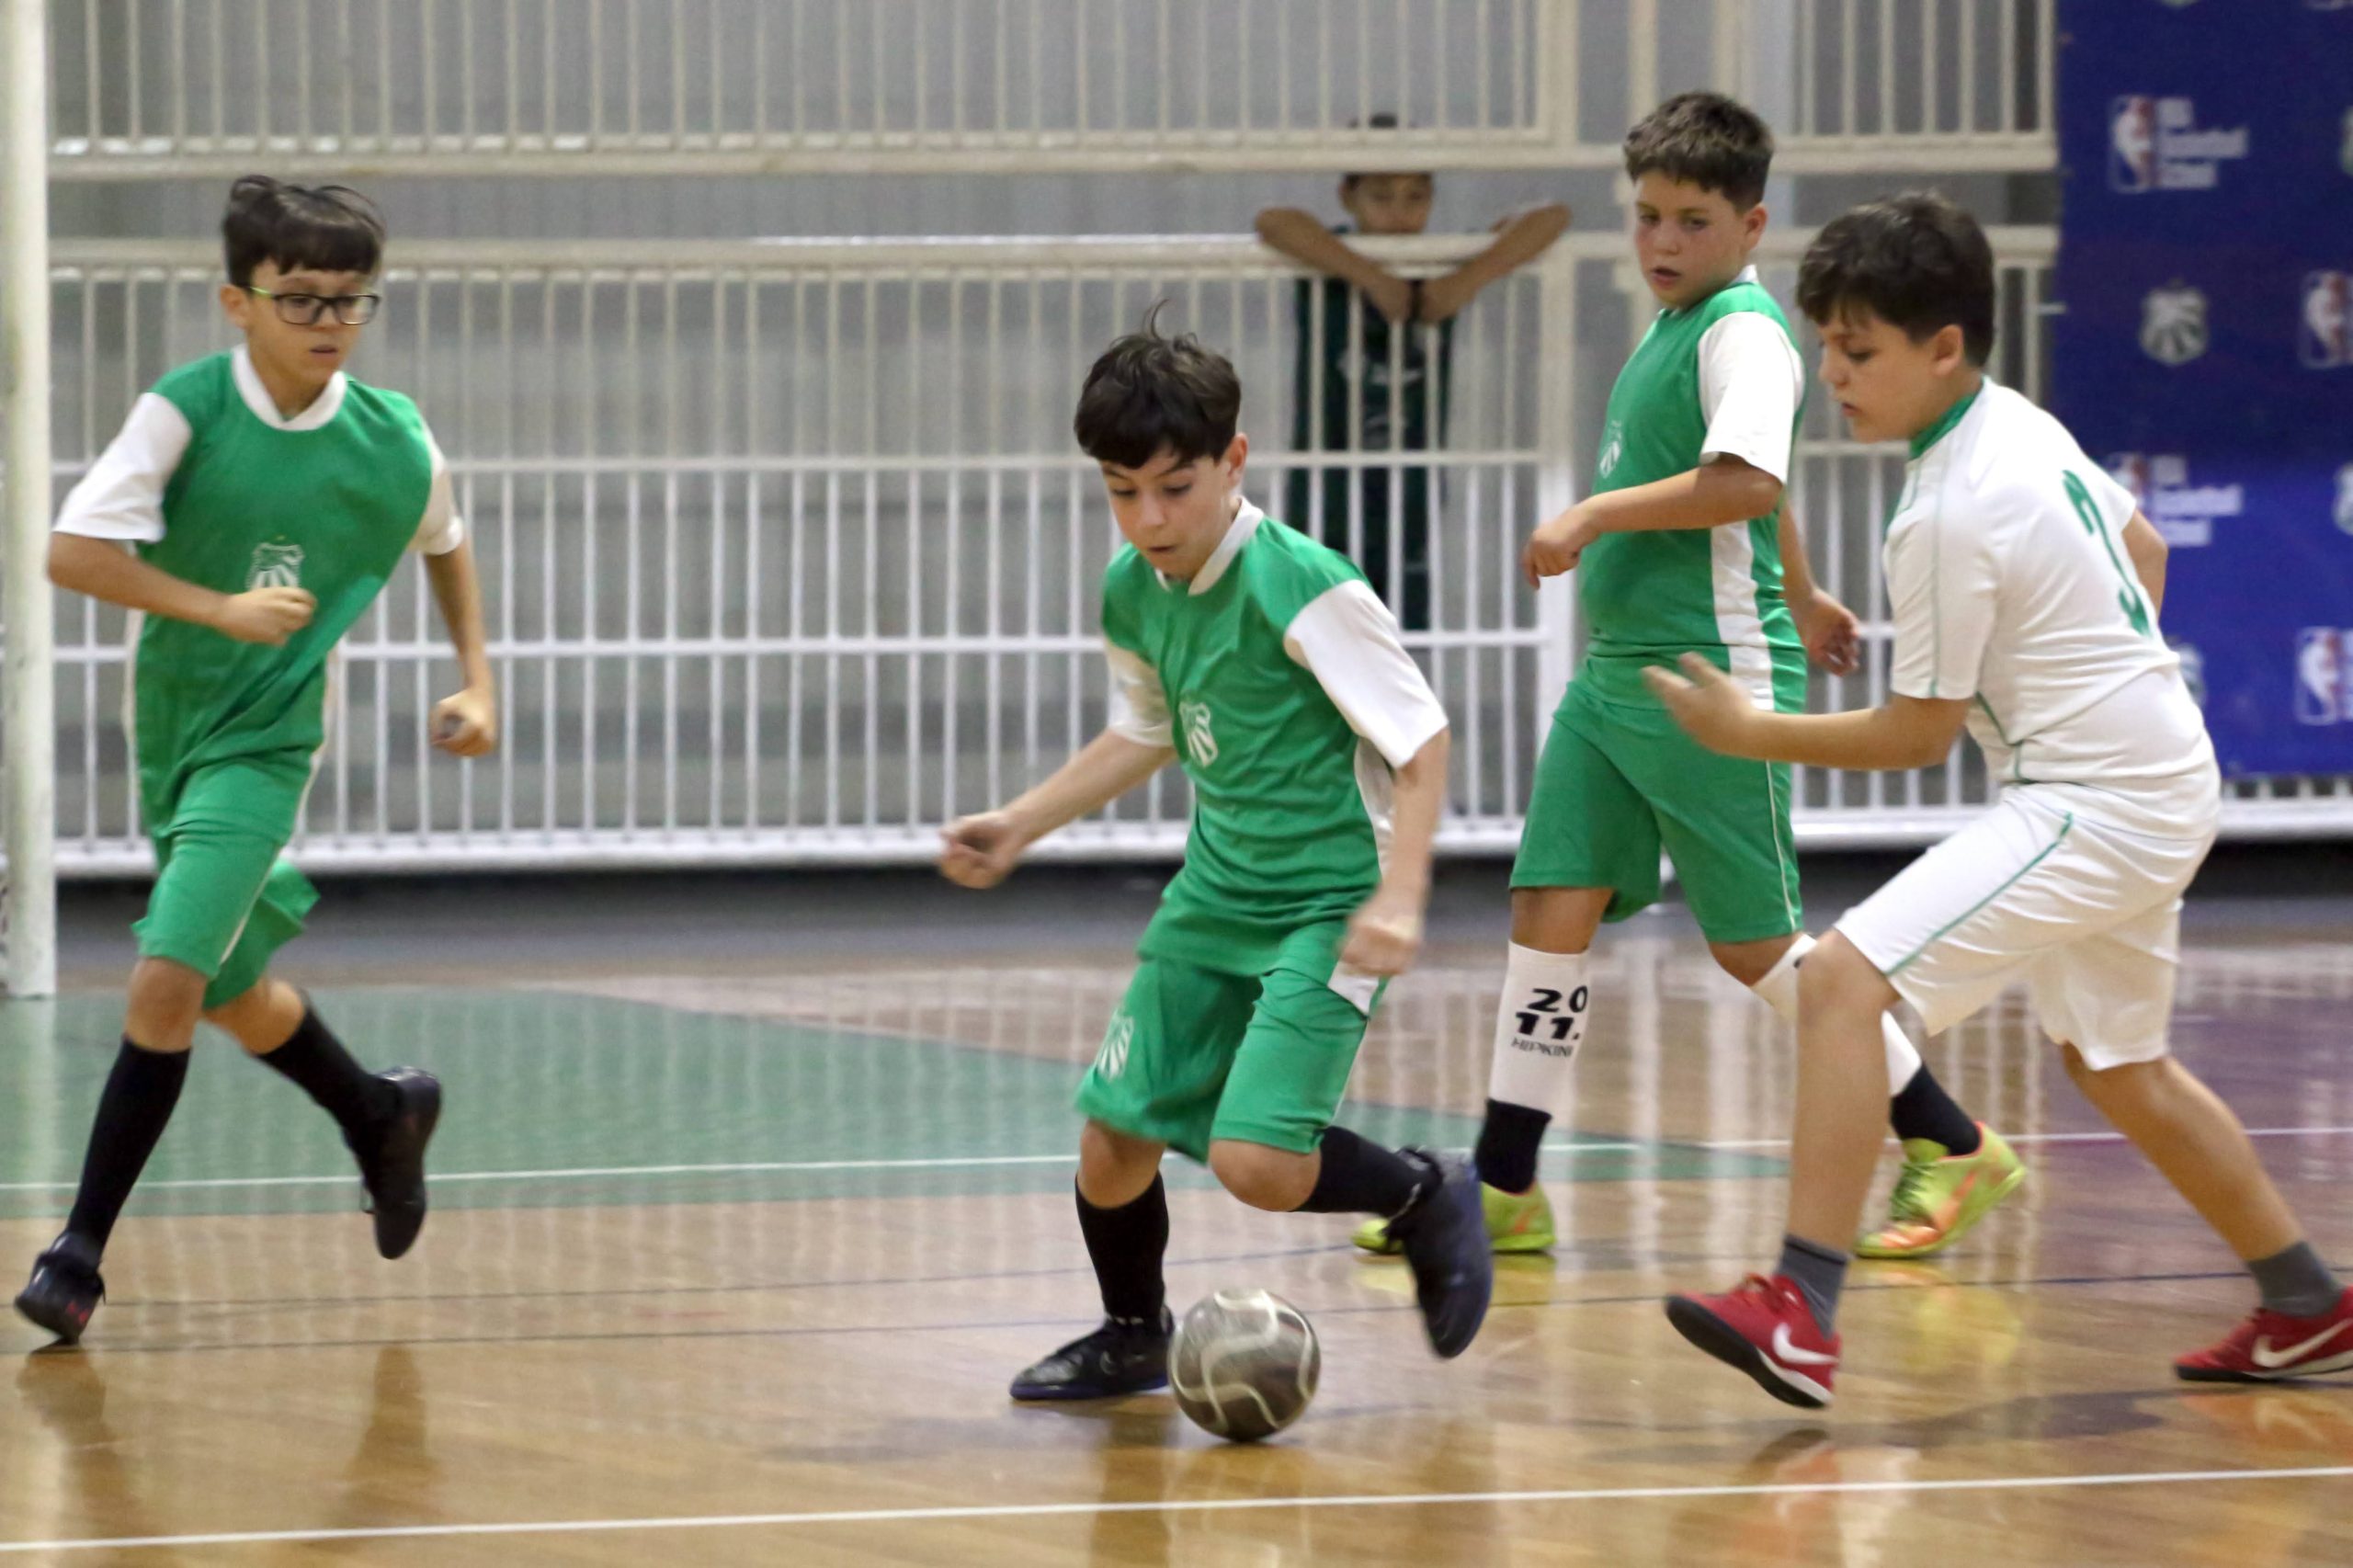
point(1909, 731)
point(979, 851)
point(105, 570)
point(1303, 237)
point(465, 724)
point(1385, 934)
point(1519, 239)
point(1724, 490)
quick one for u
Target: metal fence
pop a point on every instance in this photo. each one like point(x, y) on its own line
point(789, 555)
point(144, 88)
point(788, 552)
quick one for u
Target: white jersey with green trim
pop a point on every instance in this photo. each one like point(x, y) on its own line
point(2011, 588)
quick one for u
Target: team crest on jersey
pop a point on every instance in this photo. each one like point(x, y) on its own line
point(1200, 743)
point(2345, 499)
point(276, 565)
point(1613, 446)
point(2172, 324)
point(1112, 1060)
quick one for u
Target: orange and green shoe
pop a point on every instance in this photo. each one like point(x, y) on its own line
point(1517, 1222)
point(1939, 1196)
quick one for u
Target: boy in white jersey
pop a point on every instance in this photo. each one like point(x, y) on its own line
point(1259, 661)
point(2026, 590)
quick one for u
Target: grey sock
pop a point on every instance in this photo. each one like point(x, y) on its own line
point(2296, 1282)
point(1817, 1272)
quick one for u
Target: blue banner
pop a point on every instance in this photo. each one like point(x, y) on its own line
point(2205, 348)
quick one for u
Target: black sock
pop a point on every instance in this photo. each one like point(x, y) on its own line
point(1921, 1109)
point(314, 1059)
point(1361, 1178)
point(1818, 1273)
point(1126, 1245)
point(132, 1110)
point(1509, 1142)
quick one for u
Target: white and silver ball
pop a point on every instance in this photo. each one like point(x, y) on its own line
point(1244, 1364)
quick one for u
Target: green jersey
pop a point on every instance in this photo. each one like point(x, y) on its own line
point(1279, 679)
point(327, 501)
point(1647, 597)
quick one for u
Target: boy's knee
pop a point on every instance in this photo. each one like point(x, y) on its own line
point(166, 1000)
point(1836, 977)
point(1557, 920)
point(1274, 1179)
point(1115, 1167)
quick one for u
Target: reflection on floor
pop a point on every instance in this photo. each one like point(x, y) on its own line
point(752, 1252)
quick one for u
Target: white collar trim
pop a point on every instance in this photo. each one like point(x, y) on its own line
point(1747, 275)
point(256, 397)
point(1237, 534)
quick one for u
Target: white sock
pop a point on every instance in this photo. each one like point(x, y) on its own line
point(1540, 1023)
point(1778, 991)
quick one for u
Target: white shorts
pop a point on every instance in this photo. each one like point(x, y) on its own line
point(2090, 914)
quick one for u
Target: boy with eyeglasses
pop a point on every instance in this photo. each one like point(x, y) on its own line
point(254, 504)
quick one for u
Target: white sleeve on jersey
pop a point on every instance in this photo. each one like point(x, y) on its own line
point(440, 530)
point(1943, 586)
point(2114, 499)
point(123, 495)
point(1139, 705)
point(1348, 639)
point(1749, 380)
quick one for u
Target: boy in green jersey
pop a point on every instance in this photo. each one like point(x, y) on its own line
point(1684, 544)
point(254, 506)
point(1261, 662)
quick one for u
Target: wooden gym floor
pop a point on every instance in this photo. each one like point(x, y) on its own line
point(747, 1204)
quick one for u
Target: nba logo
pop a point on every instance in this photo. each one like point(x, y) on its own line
point(2325, 339)
point(2131, 469)
point(2132, 143)
point(2321, 696)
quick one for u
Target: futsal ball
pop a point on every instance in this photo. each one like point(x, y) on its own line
point(1244, 1364)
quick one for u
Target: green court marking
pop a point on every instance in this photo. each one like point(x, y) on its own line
point(553, 1085)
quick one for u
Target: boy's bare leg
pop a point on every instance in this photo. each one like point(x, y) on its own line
point(2197, 1145)
point(2304, 1325)
point(1842, 1092)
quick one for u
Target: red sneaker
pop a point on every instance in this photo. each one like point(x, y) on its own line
point(1766, 1329)
point(2270, 1346)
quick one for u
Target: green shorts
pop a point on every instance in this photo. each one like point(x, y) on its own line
point(223, 900)
point(1620, 782)
point(1194, 1055)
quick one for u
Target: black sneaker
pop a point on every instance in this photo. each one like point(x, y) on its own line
point(391, 1159)
point(1445, 1238)
point(65, 1288)
point(1120, 1358)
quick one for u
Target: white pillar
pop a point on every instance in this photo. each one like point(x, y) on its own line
point(29, 748)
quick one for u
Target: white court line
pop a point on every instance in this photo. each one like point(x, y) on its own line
point(974, 1162)
point(1213, 1506)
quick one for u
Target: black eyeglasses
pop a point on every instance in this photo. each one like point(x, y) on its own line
point(309, 310)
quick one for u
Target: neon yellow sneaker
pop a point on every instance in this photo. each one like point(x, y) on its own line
point(1517, 1222)
point(1939, 1196)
